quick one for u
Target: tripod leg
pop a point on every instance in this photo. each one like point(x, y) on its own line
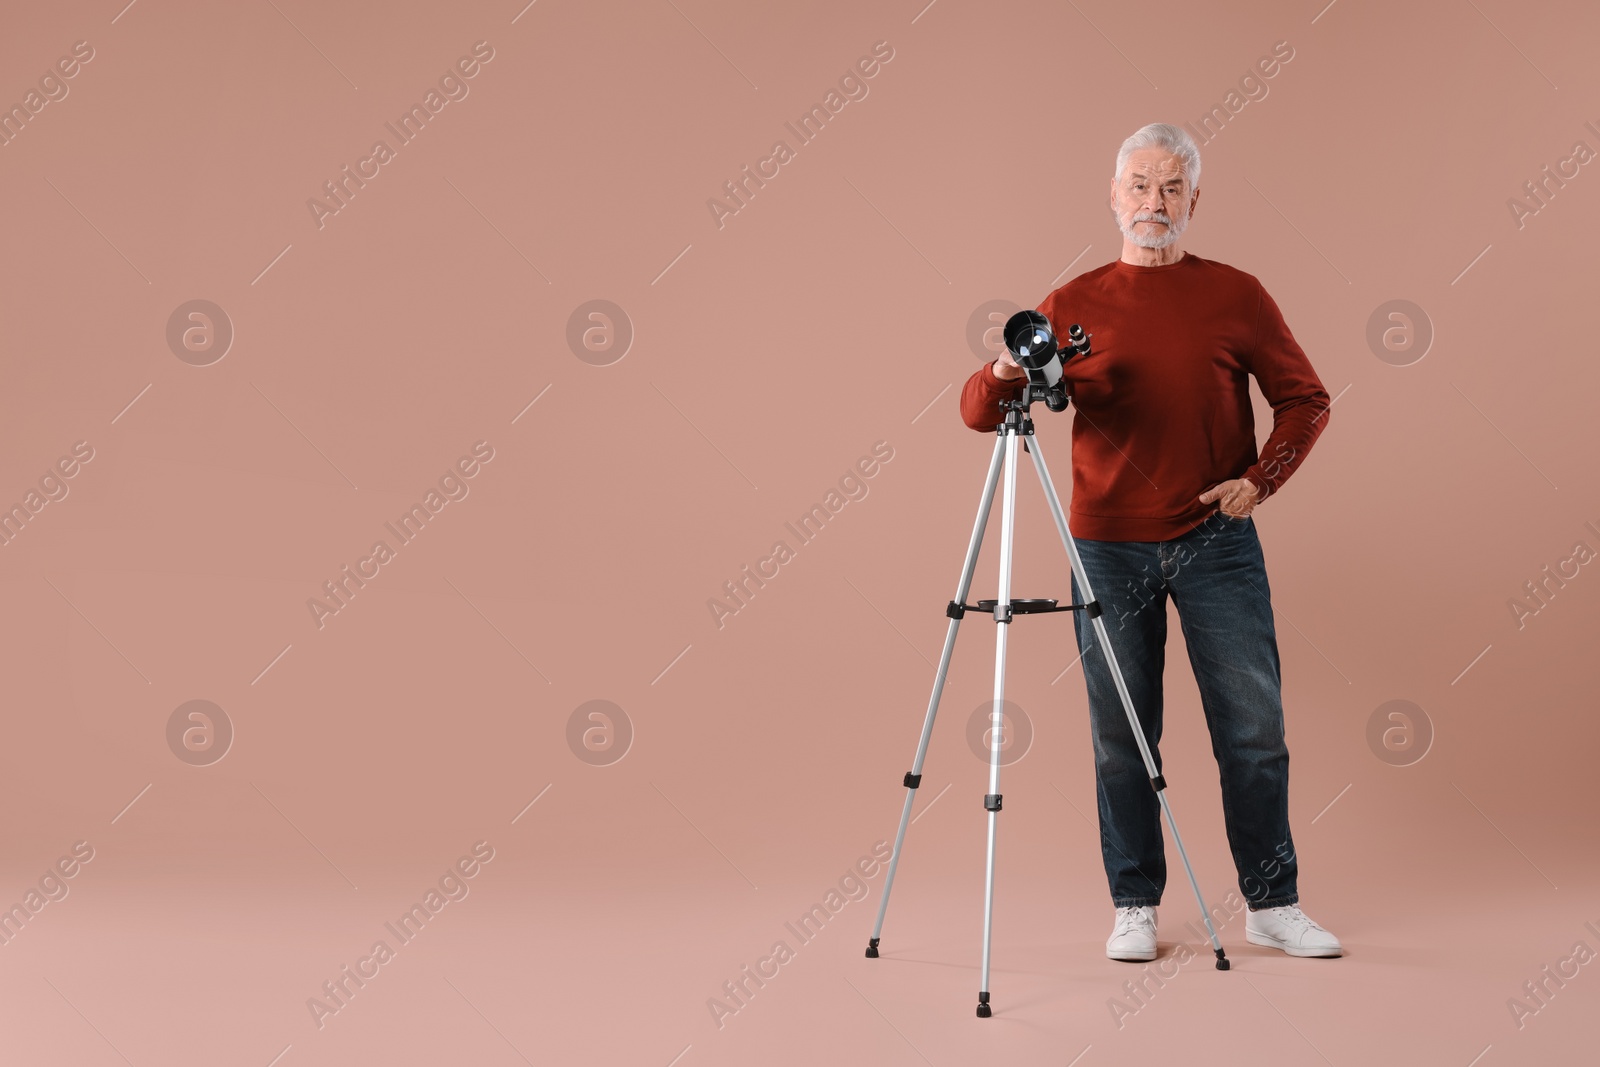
point(1002, 617)
point(914, 776)
point(1157, 782)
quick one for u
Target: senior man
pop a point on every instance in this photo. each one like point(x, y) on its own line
point(1165, 476)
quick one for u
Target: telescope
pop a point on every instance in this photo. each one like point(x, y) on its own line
point(1031, 340)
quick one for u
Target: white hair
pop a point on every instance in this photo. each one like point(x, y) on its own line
point(1172, 138)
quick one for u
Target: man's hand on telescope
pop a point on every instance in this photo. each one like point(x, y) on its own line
point(1238, 496)
point(1007, 369)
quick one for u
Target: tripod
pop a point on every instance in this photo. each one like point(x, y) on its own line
point(1018, 425)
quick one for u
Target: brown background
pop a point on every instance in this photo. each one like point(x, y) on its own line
point(769, 355)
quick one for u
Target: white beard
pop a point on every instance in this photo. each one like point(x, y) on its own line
point(1166, 237)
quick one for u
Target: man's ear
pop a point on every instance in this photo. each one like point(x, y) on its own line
point(1193, 202)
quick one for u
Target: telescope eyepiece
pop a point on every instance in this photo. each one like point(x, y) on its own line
point(1077, 341)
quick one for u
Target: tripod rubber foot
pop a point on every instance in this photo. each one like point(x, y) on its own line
point(1222, 960)
point(872, 949)
point(983, 1006)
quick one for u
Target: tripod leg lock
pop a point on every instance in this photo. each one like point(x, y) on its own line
point(912, 780)
point(1093, 610)
point(991, 801)
point(1158, 783)
point(955, 610)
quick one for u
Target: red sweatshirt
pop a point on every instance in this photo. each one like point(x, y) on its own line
point(1162, 405)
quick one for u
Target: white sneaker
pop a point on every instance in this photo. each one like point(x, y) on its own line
point(1133, 937)
point(1290, 929)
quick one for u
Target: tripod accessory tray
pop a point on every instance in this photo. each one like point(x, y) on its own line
point(1025, 606)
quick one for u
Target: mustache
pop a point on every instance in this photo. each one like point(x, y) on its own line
point(1152, 216)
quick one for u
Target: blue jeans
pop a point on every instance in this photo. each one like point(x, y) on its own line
point(1216, 576)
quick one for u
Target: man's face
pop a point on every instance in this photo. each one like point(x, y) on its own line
point(1152, 199)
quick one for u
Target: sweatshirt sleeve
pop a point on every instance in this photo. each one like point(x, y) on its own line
point(1299, 402)
point(981, 397)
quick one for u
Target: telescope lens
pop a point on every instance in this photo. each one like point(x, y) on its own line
point(1030, 339)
